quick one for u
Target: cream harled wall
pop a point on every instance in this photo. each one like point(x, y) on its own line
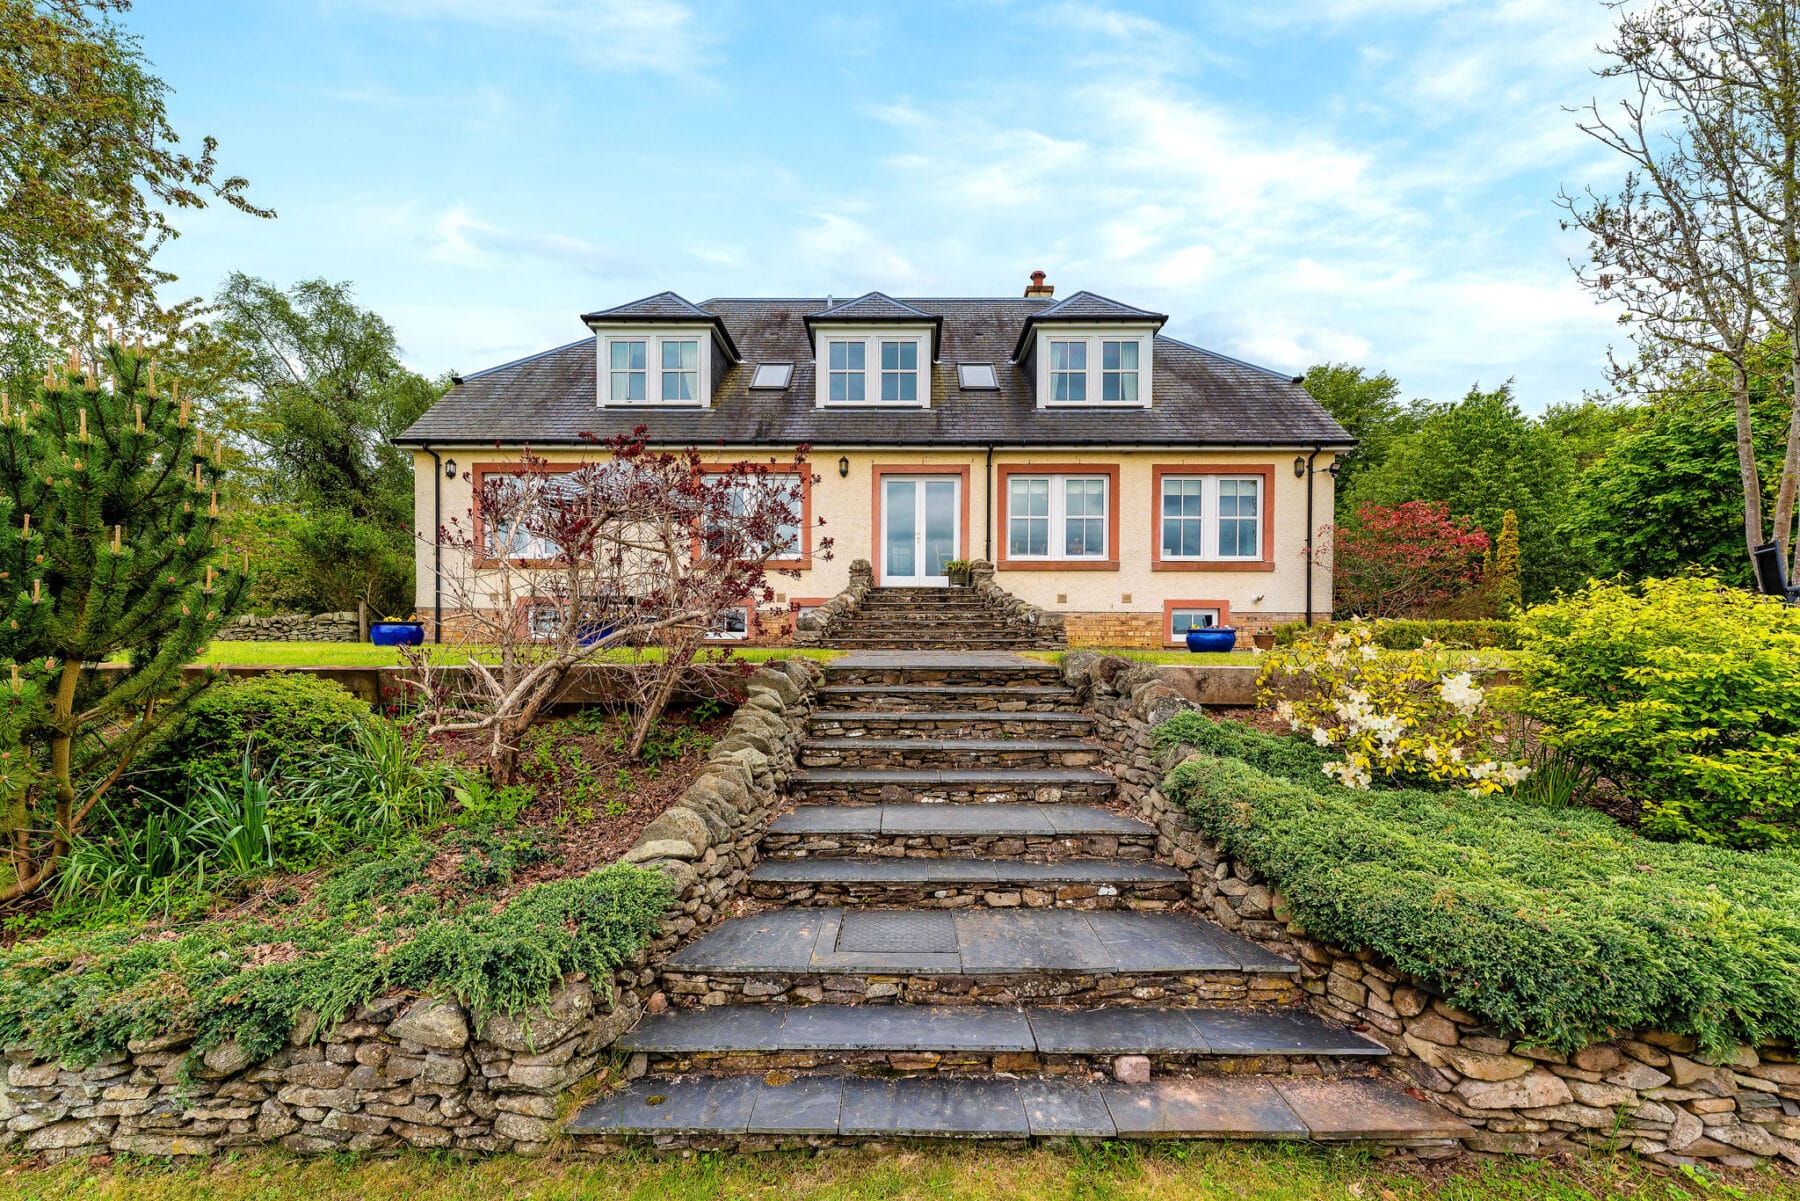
point(847, 503)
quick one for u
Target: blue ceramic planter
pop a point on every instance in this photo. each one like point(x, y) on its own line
point(1211, 639)
point(397, 633)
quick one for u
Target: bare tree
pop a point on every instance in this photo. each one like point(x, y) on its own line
point(1682, 245)
point(635, 558)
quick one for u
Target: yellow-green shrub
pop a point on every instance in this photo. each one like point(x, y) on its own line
point(1684, 692)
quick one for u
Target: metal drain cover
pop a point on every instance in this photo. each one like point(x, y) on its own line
point(904, 930)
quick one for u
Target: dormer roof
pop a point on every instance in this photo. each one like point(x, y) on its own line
point(878, 308)
point(1087, 308)
point(662, 309)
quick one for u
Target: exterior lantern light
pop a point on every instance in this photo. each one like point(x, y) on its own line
point(449, 469)
point(844, 466)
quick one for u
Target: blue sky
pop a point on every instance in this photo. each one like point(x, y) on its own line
point(1363, 180)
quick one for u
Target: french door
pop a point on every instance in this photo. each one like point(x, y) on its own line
point(919, 529)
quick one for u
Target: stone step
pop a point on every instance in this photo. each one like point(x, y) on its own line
point(916, 667)
point(746, 1106)
point(988, 829)
point(946, 883)
point(949, 752)
point(889, 785)
point(968, 956)
point(983, 698)
point(950, 1038)
point(937, 642)
point(945, 723)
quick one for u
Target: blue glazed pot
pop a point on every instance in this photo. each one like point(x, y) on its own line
point(1211, 639)
point(397, 633)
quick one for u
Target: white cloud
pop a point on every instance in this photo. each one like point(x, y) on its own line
point(460, 238)
point(658, 36)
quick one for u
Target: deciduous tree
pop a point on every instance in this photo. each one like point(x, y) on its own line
point(1407, 560)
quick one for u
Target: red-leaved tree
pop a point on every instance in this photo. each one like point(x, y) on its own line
point(1402, 561)
point(638, 558)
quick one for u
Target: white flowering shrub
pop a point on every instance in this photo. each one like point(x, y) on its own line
point(1393, 714)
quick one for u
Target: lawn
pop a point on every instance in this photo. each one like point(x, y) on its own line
point(362, 654)
point(1175, 1172)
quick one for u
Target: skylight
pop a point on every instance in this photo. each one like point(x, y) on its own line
point(772, 375)
point(976, 377)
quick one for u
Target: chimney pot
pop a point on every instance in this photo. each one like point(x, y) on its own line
point(1038, 288)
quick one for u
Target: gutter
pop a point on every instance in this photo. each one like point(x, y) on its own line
point(437, 546)
point(987, 509)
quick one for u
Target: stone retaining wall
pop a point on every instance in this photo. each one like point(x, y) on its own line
point(1084, 990)
point(422, 1071)
point(292, 627)
point(1649, 1092)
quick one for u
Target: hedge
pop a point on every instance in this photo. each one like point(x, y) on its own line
point(1404, 635)
point(1560, 927)
point(81, 995)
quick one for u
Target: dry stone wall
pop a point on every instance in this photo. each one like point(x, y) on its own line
point(1650, 1092)
point(292, 627)
point(415, 1071)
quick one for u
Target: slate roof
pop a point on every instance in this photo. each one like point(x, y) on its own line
point(871, 306)
point(664, 306)
point(1085, 307)
point(1202, 399)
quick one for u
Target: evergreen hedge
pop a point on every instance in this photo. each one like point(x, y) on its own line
point(1561, 927)
point(1403, 634)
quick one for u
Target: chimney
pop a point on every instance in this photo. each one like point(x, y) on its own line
point(1038, 289)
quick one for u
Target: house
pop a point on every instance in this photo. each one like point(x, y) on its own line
point(1134, 483)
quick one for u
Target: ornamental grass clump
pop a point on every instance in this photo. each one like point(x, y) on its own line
point(1392, 714)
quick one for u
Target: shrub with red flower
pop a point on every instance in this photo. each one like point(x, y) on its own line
point(1407, 560)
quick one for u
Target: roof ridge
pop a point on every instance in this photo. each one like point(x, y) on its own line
point(1281, 375)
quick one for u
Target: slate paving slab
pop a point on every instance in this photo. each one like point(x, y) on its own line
point(976, 1029)
point(1136, 942)
point(1126, 1030)
point(863, 660)
point(1285, 1032)
point(966, 819)
point(781, 940)
point(1363, 1107)
point(1202, 1107)
point(1065, 1109)
point(685, 1031)
point(986, 942)
point(802, 1105)
point(968, 1108)
point(922, 717)
point(1001, 941)
point(829, 819)
point(907, 777)
point(949, 745)
point(714, 1103)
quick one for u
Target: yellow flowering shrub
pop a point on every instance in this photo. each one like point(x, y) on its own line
point(1394, 714)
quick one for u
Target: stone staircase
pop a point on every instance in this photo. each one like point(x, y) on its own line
point(934, 619)
point(959, 933)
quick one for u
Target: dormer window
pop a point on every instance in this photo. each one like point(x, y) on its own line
point(656, 367)
point(875, 366)
point(660, 350)
point(1094, 367)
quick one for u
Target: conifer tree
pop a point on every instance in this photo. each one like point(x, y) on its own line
point(1502, 576)
point(108, 550)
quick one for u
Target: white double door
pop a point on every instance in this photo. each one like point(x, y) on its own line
point(919, 528)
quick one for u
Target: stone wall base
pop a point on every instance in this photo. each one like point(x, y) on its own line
point(1145, 631)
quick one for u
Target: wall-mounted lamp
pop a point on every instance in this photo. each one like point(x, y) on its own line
point(1301, 467)
point(449, 469)
point(843, 467)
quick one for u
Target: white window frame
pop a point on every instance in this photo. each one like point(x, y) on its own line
point(1095, 338)
point(718, 635)
point(1171, 635)
point(653, 338)
point(1057, 542)
point(1210, 517)
point(872, 338)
